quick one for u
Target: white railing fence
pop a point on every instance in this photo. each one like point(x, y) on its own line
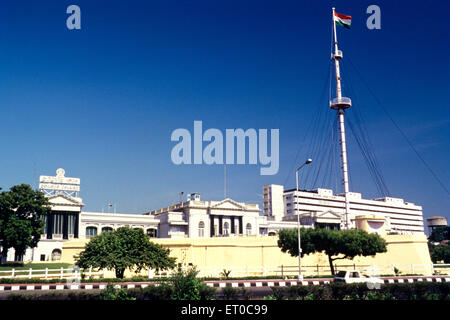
point(236, 272)
point(48, 273)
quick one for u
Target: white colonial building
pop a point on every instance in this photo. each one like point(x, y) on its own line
point(195, 218)
point(204, 219)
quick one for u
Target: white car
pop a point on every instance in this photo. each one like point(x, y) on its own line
point(355, 276)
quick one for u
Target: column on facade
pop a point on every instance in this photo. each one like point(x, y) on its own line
point(211, 223)
point(240, 225)
point(232, 225)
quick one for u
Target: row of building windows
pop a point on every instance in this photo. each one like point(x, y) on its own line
point(92, 231)
point(226, 229)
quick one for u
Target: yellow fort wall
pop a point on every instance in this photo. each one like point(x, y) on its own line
point(409, 254)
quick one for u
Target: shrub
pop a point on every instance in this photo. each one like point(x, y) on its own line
point(84, 296)
point(279, 292)
point(299, 291)
point(225, 273)
point(55, 296)
point(207, 292)
point(372, 295)
point(186, 285)
point(111, 293)
point(230, 293)
point(309, 297)
point(360, 291)
point(161, 292)
point(245, 294)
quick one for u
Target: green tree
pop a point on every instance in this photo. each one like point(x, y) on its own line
point(336, 244)
point(439, 253)
point(439, 234)
point(122, 249)
point(21, 224)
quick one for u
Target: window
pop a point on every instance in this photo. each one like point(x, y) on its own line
point(72, 219)
point(201, 229)
point(42, 257)
point(91, 232)
point(226, 228)
point(248, 228)
point(58, 223)
point(152, 233)
point(56, 255)
point(107, 229)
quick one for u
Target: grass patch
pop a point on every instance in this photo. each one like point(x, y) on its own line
point(36, 266)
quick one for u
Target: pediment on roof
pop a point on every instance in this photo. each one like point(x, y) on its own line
point(63, 200)
point(228, 204)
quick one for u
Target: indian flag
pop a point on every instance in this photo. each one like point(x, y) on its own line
point(342, 20)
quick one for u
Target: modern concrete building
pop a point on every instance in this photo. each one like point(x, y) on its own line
point(322, 208)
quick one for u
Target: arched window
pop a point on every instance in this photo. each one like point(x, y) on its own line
point(152, 233)
point(272, 233)
point(91, 232)
point(201, 229)
point(107, 229)
point(248, 229)
point(56, 255)
point(226, 228)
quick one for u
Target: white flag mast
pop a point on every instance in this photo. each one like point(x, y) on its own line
point(340, 104)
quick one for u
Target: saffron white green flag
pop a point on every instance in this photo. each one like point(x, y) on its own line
point(342, 20)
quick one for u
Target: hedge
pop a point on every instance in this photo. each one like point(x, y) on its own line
point(162, 292)
point(332, 291)
point(136, 279)
point(360, 291)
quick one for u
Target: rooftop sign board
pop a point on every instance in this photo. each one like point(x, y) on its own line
point(59, 182)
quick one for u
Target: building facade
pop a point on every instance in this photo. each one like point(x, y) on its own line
point(194, 218)
point(204, 219)
point(323, 208)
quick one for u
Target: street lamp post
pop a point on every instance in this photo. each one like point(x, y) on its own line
point(300, 277)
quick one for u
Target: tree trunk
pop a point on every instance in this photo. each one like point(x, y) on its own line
point(119, 273)
point(331, 265)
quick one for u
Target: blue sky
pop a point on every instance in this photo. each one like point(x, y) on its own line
point(102, 101)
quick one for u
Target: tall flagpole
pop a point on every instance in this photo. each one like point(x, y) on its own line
point(224, 181)
point(340, 104)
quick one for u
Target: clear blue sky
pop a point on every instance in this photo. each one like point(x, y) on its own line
point(102, 102)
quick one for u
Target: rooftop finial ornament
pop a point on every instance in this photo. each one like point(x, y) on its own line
point(60, 172)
